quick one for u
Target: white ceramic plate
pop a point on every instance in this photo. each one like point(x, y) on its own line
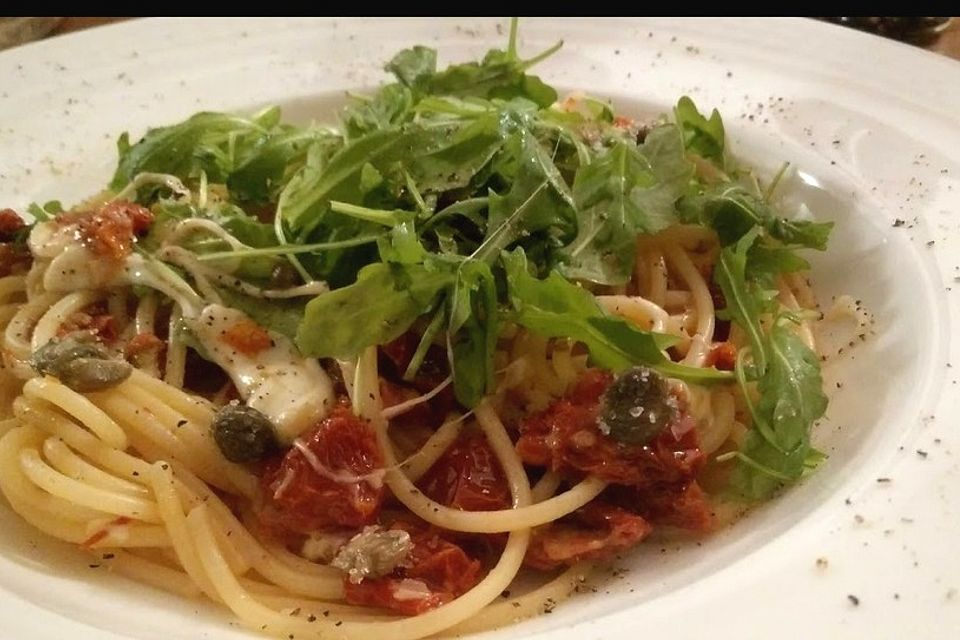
point(872, 125)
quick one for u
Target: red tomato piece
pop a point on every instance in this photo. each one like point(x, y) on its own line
point(94, 319)
point(141, 343)
point(300, 499)
point(400, 350)
point(110, 230)
point(247, 337)
point(393, 394)
point(596, 531)
point(468, 476)
point(722, 356)
point(437, 571)
point(10, 224)
point(565, 437)
point(683, 505)
point(14, 257)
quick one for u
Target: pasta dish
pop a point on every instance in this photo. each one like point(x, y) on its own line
point(351, 381)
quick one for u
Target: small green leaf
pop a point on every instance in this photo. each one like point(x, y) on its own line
point(379, 307)
point(701, 135)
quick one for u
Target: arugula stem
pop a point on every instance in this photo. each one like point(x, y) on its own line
point(768, 192)
point(491, 244)
point(759, 423)
point(288, 249)
point(436, 323)
point(512, 42)
point(454, 209)
point(415, 193)
point(742, 457)
point(540, 57)
point(378, 216)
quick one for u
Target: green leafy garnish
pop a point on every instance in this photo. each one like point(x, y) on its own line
point(380, 306)
point(701, 135)
point(456, 200)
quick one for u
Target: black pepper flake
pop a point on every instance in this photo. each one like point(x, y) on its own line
point(338, 623)
point(505, 594)
point(108, 556)
point(326, 614)
point(94, 566)
point(883, 480)
point(181, 423)
point(899, 223)
point(854, 600)
point(922, 453)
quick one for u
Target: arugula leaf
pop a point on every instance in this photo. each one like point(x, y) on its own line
point(402, 245)
point(555, 307)
point(791, 400)
point(379, 307)
point(702, 136)
point(261, 168)
point(766, 261)
point(622, 193)
point(472, 332)
point(205, 142)
point(414, 67)
point(538, 200)
point(390, 106)
point(46, 211)
point(733, 212)
point(501, 74)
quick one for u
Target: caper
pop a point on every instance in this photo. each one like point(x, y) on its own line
point(637, 406)
point(81, 364)
point(242, 433)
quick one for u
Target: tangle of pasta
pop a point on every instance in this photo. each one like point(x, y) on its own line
point(330, 393)
point(133, 475)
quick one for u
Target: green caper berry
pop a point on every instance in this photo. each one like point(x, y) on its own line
point(637, 407)
point(242, 433)
point(81, 364)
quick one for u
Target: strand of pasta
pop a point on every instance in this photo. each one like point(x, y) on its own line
point(702, 304)
point(420, 462)
point(62, 458)
point(16, 337)
point(175, 367)
point(58, 313)
point(638, 310)
point(78, 406)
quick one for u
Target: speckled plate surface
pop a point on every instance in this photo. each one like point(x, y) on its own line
point(863, 549)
